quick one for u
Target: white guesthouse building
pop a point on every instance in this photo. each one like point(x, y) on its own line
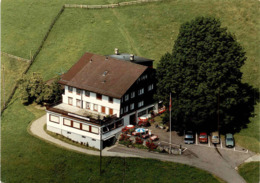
point(103, 94)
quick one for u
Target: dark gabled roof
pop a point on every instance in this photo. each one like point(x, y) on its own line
point(126, 57)
point(104, 75)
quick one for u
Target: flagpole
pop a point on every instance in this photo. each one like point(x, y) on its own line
point(170, 104)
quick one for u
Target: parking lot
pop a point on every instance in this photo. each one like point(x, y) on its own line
point(221, 145)
point(179, 140)
point(219, 160)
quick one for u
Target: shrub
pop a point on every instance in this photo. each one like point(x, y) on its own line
point(34, 89)
point(123, 137)
point(151, 146)
point(138, 140)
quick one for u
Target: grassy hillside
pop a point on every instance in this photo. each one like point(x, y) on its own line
point(11, 71)
point(27, 159)
point(148, 30)
point(250, 172)
point(25, 22)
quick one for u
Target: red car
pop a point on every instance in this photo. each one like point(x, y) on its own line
point(203, 137)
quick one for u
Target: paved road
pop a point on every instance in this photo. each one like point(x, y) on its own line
point(221, 163)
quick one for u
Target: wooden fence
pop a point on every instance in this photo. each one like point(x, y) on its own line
point(15, 57)
point(108, 5)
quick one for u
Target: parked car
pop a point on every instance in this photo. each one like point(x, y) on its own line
point(189, 137)
point(229, 140)
point(215, 139)
point(203, 137)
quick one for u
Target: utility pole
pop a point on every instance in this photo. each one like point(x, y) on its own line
point(170, 106)
point(101, 146)
point(218, 109)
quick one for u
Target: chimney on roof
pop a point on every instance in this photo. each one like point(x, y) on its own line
point(132, 57)
point(90, 61)
point(106, 58)
point(116, 51)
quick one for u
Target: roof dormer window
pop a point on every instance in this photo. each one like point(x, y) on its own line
point(105, 73)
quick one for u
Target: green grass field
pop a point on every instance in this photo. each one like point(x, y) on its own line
point(250, 172)
point(25, 23)
point(250, 136)
point(11, 71)
point(147, 30)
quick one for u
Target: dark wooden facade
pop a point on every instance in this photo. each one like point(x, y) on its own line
point(146, 97)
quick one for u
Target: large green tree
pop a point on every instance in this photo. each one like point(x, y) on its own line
point(203, 74)
point(34, 89)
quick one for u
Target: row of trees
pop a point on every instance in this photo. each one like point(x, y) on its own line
point(203, 74)
point(34, 89)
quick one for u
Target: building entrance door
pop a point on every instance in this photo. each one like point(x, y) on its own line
point(132, 119)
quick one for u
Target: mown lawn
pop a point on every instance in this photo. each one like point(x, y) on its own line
point(27, 159)
point(11, 71)
point(250, 172)
point(25, 22)
point(250, 136)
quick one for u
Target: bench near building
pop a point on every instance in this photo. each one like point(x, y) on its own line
point(103, 93)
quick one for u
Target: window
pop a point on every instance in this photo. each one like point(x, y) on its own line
point(103, 109)
point(141, 113)
point(87, 105)
point(126, 97)
point(76, 125)
point(119, 123)
point(122, 111)
point(133, 94)
point(70, 100)
point(68, 132)
point(144, 77)
point(78, 91)
point(70, 89)
point(110, 99)
point(83, 137)
point(66, 122)
point(141, 91)
point(99, 96)
point(150, 87)
point(55, 119)
point(105, 73)
point(87, 93)
point(78, 103)
point(85, 127)
point(132, 106)
point(140, 104)
point(126, 108)
point(110, 111)
point(95, 107)
point(94, 129)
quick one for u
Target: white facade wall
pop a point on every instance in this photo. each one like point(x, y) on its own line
point(92, 100)
point(78, 135)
